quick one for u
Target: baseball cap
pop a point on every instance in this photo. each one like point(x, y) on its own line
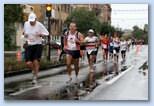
point(91, 30)
point(31, 17)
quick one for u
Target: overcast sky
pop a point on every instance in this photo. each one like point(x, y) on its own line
point(126, 16)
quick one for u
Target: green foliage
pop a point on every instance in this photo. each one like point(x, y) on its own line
point(107, 29)
point(85, 20)
point(140, 34)
point(12, 14)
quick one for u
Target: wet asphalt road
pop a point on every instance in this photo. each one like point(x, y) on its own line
point(131, 86)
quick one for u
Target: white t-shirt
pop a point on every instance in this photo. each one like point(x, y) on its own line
point(116, 42)
point(123, 45)
point(33, 31)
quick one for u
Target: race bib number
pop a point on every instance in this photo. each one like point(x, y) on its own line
point(89, 51)
point(104, 46)
point(71, 44)
point(114, 51)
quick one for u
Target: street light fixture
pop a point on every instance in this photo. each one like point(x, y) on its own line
point(48, 10)
point(48, 14)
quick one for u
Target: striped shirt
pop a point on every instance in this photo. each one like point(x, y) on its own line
point(91, 43)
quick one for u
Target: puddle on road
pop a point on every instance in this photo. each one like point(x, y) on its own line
point(144, 69)
point(77, 92)
point(74, 91)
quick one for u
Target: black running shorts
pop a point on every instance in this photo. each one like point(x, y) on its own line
point(33, 52)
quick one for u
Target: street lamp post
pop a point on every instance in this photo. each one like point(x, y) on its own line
point(48, 14)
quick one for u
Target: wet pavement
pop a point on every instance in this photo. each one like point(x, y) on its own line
point(131, 86)
point(103, 84)
point(49, 87)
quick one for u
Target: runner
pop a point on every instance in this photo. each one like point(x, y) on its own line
point(129, 44)
point(33, 32)
point(105, 43)
point(123, 47)
point(72, 42)
point(91, 42)
point(133, 42)
point(116, 47)
point(111, 48)
point(97, 46)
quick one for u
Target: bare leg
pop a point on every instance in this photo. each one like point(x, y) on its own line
point(30, 65)
point(76, 66)
point(36, 67)
point(69, 62)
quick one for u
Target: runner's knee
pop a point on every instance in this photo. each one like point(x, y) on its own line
point(29, 63)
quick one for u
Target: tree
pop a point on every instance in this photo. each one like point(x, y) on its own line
point(85, 20)
point(139, 34)
point(12, 14)
point(107, 29)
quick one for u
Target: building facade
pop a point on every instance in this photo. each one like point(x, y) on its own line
point(103, 11)
point(60, 13)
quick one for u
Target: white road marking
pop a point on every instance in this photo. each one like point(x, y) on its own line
point(25, 90)
point(117, 77)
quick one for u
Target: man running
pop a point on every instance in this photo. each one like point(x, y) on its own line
point(111, 48)
point(123, 47)
point(116, 47)
point(104, 43)
point(72, 42)
point(33, 32)
point(91, 42)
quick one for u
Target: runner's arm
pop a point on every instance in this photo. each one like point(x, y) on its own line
point(43, 30)
point(81, 38)
point(65, 41)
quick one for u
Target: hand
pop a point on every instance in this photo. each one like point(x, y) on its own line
point(38, 34)
point(77, 40)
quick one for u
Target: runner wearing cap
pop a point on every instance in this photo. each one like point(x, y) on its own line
point(91, 43)
point(33, 32)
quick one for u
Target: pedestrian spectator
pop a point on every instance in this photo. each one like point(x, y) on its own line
point(62, 45)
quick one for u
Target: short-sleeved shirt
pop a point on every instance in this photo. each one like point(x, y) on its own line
point(104, 42)
point(123, 45)
point(91, 43)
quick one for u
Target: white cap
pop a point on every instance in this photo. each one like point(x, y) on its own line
point(31, 17)
point(91, 30)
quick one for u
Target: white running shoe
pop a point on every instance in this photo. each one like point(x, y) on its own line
point(69, 81)
point(34, 80)
point(76, 80)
